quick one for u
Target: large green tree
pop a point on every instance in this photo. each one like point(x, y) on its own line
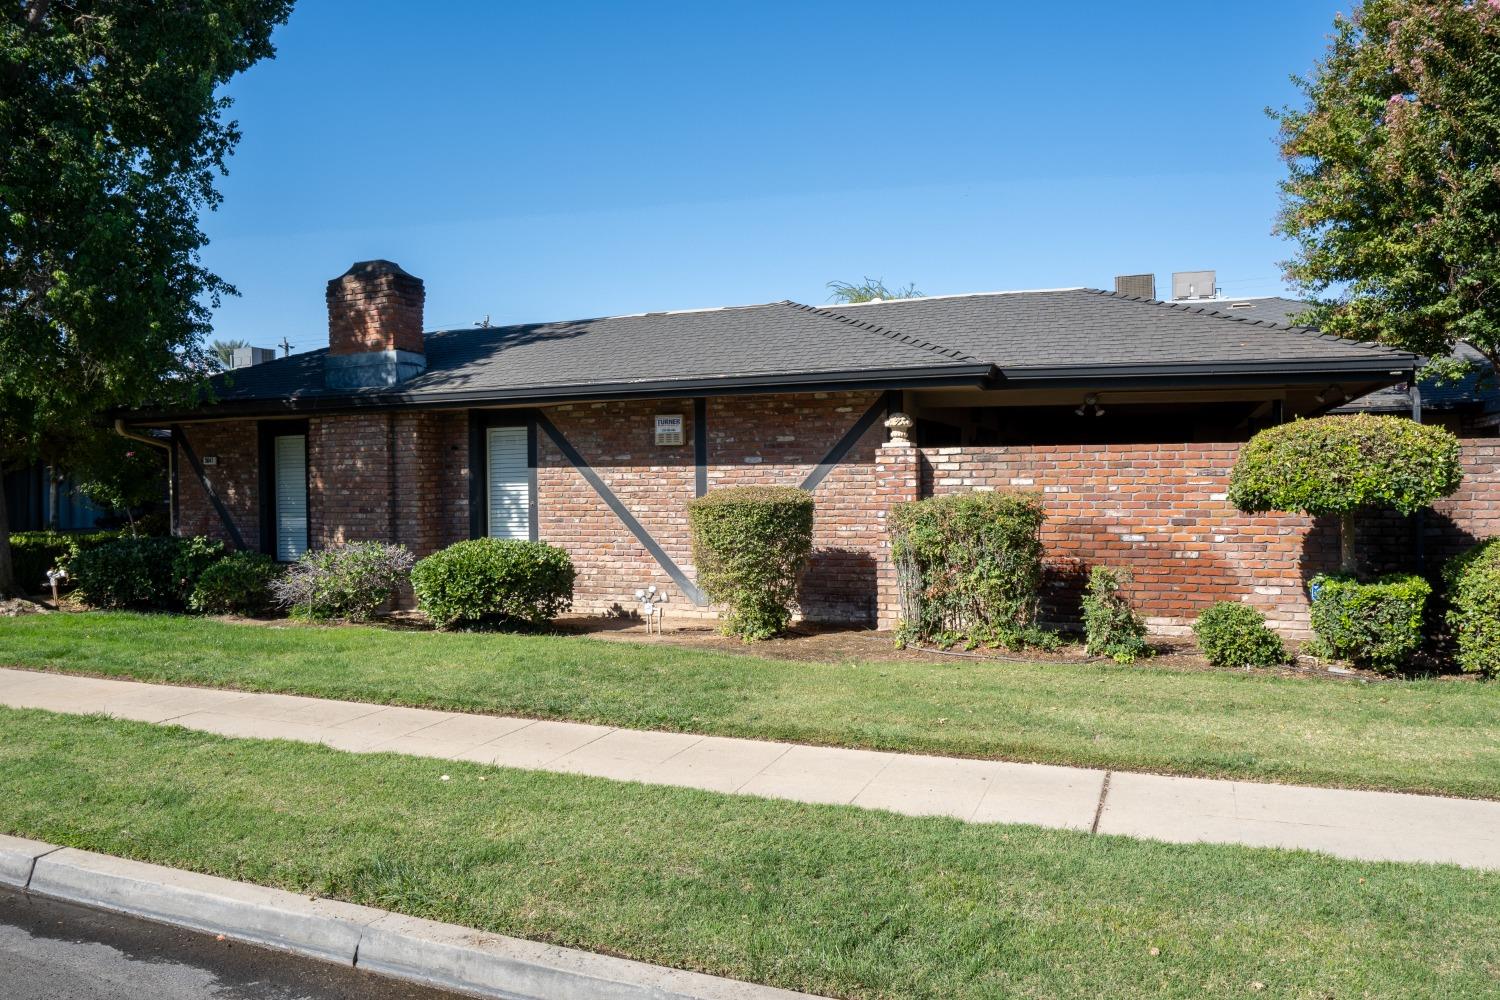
point(1393, 190)
point(112, 136)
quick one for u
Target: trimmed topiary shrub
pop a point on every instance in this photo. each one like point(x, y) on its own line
point(1376, 625)
point(1471, 581)
point(1110, 625)
point(969, 568)
point(351, 581)
point(1231, 634)
point(238, 584)
point(494, 580)
point(128, 573)
point(1339, 465)
point(751, 545)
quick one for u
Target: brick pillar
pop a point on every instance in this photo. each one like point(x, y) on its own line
point(898, 479)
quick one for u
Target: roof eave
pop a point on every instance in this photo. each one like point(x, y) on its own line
point(945, 376)
point(1287, 372)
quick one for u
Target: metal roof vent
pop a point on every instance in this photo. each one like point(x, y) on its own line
point(1187, 285)
point(1141, 286)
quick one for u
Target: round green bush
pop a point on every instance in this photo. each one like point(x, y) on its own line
point(1231, 634)
point(494, 580)
point(239, 584)
point(751, 545)
point(1377, 625)
point(1110, 625)
point(969, 567)
point(128, 573)
point(194, 556)
point(1471, 581)
point(1338, 465)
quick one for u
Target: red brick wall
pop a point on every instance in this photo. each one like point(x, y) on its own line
point(1160, 511)
point(775, 439)
point(235, 450)
point(355, 465)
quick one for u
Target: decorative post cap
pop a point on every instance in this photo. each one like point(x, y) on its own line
point(900, 425)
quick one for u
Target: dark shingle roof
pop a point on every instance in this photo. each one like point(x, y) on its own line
point(954, 339)
point(1080, 328)
point(773, 340)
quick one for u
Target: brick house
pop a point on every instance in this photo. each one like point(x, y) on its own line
point(593, 434)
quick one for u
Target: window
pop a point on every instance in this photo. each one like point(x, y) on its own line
point(290, 458)
point(283, 488)
point(508, 482)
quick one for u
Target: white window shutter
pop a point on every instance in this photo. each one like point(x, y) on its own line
point(291, 496)
point(508, 489)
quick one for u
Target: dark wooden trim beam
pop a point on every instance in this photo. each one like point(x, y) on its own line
point(213, 497)
point(700, 446)
point(837, 452)
point(635, 527)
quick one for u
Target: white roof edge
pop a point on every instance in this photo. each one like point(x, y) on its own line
point(955, 295)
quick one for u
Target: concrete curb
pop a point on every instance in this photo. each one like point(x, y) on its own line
point(17, 859)
point(378, 941)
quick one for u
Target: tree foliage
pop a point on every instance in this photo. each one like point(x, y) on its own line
point(1393, 190)
point(112, 135)
point(1339, 465)
point(869, 290)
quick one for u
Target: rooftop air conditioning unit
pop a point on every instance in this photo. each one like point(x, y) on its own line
point(1141, 286)
point(1187, 285)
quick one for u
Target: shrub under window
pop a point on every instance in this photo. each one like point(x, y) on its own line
point(351, 581)
point(1231, 634)
point(1376, 625)
point(239, 584)
point(494, 580)
point(969, 567)
point(751, 545)
point(1472, 582)
point(1110, 625)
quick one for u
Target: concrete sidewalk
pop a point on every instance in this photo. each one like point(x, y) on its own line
point(1383, 826)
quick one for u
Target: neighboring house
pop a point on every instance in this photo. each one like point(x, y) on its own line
point(1469, 407)
point(35, 501)
point(593, 434)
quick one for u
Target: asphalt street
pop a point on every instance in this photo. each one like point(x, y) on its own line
point(58, 951)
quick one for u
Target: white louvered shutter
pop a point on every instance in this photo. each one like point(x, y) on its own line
point(509, 486)
point(291, 496)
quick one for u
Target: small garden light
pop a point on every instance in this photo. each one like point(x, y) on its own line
point(651, 607)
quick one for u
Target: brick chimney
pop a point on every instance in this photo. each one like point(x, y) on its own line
point(374, 327)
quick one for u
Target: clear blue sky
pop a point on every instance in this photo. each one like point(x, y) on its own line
point(562, 160)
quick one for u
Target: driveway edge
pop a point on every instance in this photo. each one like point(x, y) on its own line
point(377, 941)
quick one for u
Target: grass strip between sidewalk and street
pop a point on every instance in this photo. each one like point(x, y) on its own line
point(1424, 736)
point(826, 899)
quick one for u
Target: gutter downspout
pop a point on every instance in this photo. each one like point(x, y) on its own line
point(171, 468)
point(1419, 523)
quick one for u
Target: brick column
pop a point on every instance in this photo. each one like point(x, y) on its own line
point(898, 479)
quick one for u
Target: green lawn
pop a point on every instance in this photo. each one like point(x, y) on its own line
point(1430, 736)
point(828, 899)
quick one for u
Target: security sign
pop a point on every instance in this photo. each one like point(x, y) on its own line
point(669, 428)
